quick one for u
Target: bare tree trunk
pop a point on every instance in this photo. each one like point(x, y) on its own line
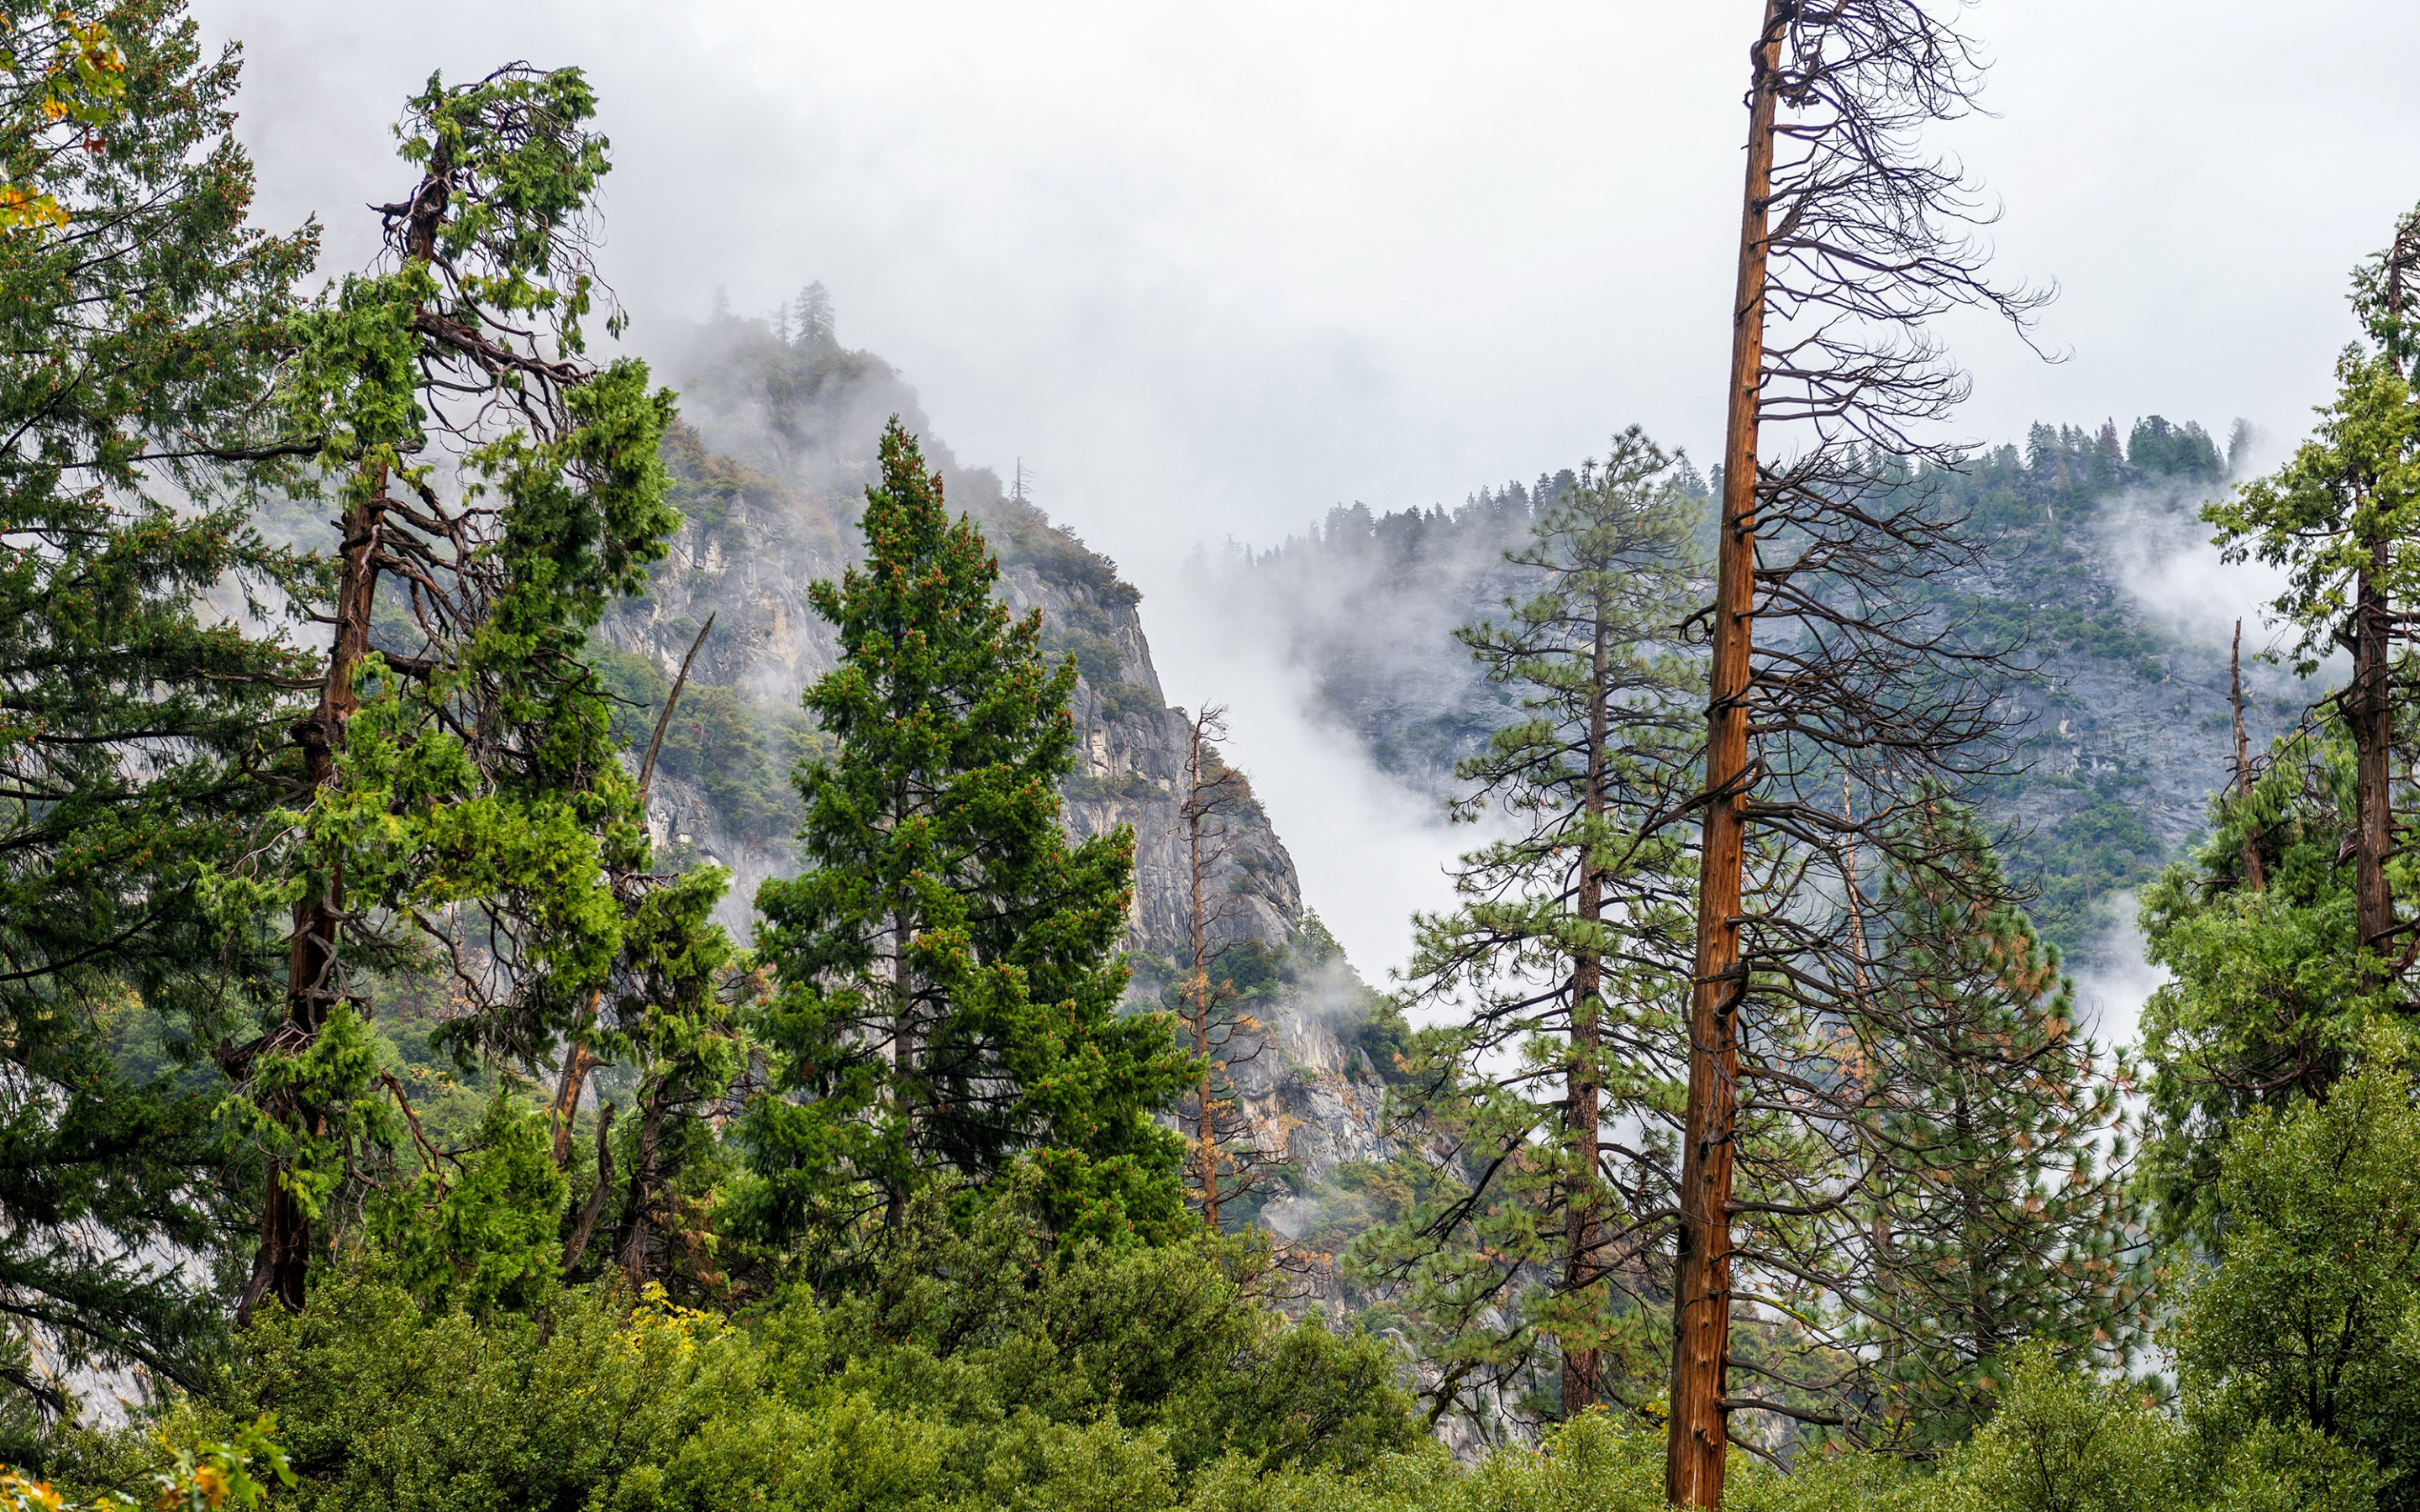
point(1582, 1230)
point(586, 1230)
point(2252, 877)
point(2372, 722)
point(1699, 1436)
point(312, 985)
point(630, 1244)
point(1206, 1113)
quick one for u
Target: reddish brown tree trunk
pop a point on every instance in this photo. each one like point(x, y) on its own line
point(2372, 722)
point(1699, 1434)
point(312, 984)
point(1581, 1228)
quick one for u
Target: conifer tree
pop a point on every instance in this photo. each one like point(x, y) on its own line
point(1998, 1214)
point(948, 965)
point(1565, 964)
point(145, 698)
point(464, 807)
point(2339, 516)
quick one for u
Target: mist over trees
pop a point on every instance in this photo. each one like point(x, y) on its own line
point(566, 945)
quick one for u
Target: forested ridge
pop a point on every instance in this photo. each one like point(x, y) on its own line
point(568, 943)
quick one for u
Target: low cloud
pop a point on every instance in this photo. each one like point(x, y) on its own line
point(2160, 552)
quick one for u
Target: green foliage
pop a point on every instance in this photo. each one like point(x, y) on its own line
point(2062, 1442)
point(1000, 1318)
point(2265, 1006)
point(142, 645)
point(949, 985)
point(205, 1477)
point(485, 1237)
point(2091, 853)
point(2068, 1441)
point(2309, 1317)
point(2004, 1228)
point(529, 818)
point(1565, 962)
point(979, 1368)
point(674, 1025)
point(327, 1085)
point(2185, 450)
point(467, 801)
point(65, 78)
point(2357, 480)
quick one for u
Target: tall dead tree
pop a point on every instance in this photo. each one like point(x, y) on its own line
point(1223, 1161)
point(1822, 663)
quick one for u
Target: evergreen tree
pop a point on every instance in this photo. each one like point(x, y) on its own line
point(2264, 1007)
point(2339, 518)
point(2304, 1321)
point(143, 669)
point(1565, 964)
point(1995, 1217)
point(949, 976)
point(466, 809)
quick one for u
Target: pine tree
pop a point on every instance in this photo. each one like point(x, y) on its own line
point(1565, 964)
point(2000, 1216)
point(143, 665)
point(948, 965)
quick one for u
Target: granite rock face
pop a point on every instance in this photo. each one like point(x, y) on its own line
point(771, 479)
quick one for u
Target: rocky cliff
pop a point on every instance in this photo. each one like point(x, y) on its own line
point(771, 470)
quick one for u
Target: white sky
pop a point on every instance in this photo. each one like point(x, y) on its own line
point(1209, 270)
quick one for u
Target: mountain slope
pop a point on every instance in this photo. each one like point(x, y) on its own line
point(2120, 720)
point(770, 471)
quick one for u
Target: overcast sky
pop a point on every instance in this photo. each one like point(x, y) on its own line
point(1209, 270)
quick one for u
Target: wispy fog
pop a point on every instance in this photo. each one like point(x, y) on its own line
point(1211, 269)
point(2160, 551)
point(2113, 982)
point(1370, 850)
